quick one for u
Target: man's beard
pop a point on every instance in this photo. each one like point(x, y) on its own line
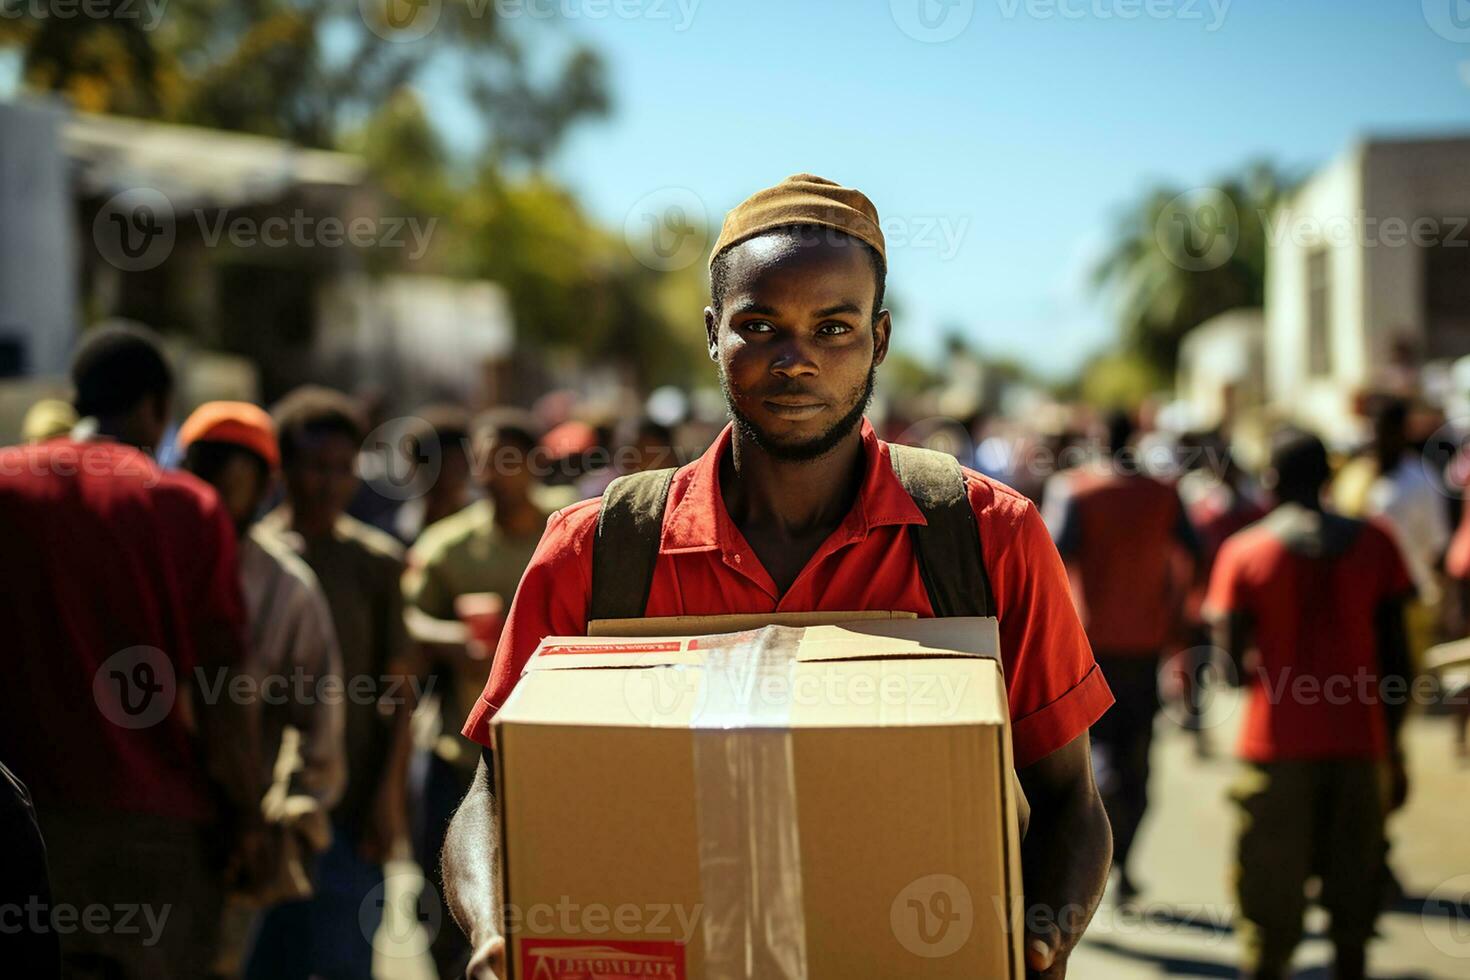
point(813, 448)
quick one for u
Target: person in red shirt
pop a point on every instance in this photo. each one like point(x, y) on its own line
point(118, 587)
point(1310, 604)
point(796, 508)
point(1125, 537)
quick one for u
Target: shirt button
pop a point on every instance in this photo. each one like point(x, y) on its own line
point(737, 559)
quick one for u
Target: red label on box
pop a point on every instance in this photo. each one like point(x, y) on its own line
point(575, 648)
point(595, 959)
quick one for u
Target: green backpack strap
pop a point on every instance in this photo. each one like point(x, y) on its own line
point(948, 547)
point(629, 527)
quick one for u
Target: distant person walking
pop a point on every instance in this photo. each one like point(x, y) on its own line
point(1121, 534)
point(461, 579)
point(1310, 604)
point(359, 567)
point(1392, 484)
point(118, 581)
point(291, 655)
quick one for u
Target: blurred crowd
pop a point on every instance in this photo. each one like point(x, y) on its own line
point(282, 618)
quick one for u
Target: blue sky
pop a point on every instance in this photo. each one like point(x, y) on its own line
point(1020, 138)
point(1000, 155)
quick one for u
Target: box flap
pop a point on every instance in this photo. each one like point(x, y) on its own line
point(869, 639)
point(732, 622)
point(898, 693)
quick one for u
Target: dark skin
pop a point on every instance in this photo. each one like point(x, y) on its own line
point(320, 482)
point(508, 482)
point(795, 339)
point(142, 426)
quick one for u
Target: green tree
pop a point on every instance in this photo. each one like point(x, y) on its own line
point(1119, 379)
point(572, 283)
point(1180, 258)
point(304, 70)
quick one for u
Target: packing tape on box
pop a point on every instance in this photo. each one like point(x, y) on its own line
point(750, 846)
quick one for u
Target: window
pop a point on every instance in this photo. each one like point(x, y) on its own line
point(1447, 298)
point(1319, 313)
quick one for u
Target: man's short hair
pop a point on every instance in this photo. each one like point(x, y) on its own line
point(446, 425)
point(206, 459)
point(1120, 429)
point(314, 410)
point(1299, 460)
point(719, 268)
point(116, 368)
point(513, 426)
point(647, 428)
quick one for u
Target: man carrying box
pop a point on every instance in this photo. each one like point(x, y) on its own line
point(798, 506)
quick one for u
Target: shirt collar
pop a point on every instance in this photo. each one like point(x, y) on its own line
point(700, 522)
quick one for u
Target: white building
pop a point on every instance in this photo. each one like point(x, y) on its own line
point(1368, 273)
point(1222, 368)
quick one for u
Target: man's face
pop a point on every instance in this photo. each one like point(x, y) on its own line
point(507, 472)
point(797, 341)
point(322, 478)
point(242, 486)
point(454, 472)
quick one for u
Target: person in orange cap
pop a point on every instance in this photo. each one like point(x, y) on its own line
point(292, 644)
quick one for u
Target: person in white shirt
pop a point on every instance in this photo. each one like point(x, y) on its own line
point(292, 659)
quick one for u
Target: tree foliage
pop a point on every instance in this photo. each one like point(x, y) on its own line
point(340, 75)
point(1179, 258)
point(303, 70)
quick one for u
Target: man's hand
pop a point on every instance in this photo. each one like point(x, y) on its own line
point(488, 961)
point(1045, 957)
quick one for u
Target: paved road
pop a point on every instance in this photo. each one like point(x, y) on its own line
point(1184, 859)
point(1184, 854)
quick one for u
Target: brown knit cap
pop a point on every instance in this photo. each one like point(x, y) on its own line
point(803, 199)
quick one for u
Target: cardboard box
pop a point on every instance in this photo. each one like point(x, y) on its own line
point(825, 802)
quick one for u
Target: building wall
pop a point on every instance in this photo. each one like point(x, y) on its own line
point(1221, 366)
point(1329, 199)
point(37, 281)
point(1408, 182)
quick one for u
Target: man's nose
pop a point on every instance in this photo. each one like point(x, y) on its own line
point(793, 360)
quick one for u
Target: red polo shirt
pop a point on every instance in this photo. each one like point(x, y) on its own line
point(1123, 531)
point(1316, 693)
point(112, 572)
point(705, 567)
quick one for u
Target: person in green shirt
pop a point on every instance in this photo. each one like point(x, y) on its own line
point(461, 576)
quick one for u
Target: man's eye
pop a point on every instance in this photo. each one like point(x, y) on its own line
point(833, 329)
point(757, 326)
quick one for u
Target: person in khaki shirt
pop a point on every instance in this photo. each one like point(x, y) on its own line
point(462, 573)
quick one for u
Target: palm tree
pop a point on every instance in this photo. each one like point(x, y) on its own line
point(1182, 257)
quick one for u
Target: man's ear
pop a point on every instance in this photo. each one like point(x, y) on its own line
point(882, 329)
point(711, 333)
